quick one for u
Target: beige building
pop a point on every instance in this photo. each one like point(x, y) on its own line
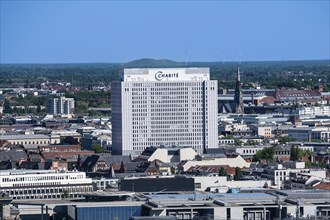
point(31, 141)
point(168, 155)
point(262, 130)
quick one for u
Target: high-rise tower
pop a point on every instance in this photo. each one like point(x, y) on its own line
point(238, 99)
point(164, 107)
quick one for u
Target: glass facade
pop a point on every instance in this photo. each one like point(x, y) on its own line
point(107, 213)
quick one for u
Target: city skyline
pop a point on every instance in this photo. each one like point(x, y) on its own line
point(119, 32)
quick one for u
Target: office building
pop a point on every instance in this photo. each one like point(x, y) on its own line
point(313, 110)
point(43, 184)
point(321, 134)
point(61, 105)
point(164, 107)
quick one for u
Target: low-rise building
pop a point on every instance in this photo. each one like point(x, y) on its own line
point(167, 155)
point(313, 110)
point(235, 161)
point(219, 183)
point(43, 184)
point(31, 141)
point(248, 150)
point(256, 206)
point(279, 173)
point(63, 151)
point(262, 130)
point(310, 134)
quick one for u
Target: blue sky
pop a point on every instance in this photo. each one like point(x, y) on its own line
point(121, 31)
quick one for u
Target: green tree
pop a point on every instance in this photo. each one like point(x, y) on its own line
point(7, 107)
point(307, 153)
point(267, 154)
point(98, 148)
point(238, 173)
point(252, 142)
point(38, 108)
point(238, 142)
point(222, 172)
point(295, 153)
point(285, 139)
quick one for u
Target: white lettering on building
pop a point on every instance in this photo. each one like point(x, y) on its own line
point(160, 75)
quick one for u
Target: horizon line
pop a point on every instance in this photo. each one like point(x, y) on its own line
point(179, 62)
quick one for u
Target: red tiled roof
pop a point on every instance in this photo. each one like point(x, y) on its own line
point(325, 186)
point(268, 99)
point(60, 147)
point(296, 93)
point(213, 169)
point(66, 153)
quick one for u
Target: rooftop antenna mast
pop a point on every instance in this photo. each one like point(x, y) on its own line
point(186, 56)
point(284, 56)
point(223, 56)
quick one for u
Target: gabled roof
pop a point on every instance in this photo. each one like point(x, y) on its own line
point(149, 151)
point(226, 107)
point(215, 150)
point(325, 186)
point(131, 166)
point(30, 165)
point(110, 159)
point(91, 161)
point(12, 155)
point(5, 165)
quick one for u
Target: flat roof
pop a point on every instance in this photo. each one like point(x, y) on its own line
point(198, 196)
point(23, 136)
point(64, 202)
point(23, 172)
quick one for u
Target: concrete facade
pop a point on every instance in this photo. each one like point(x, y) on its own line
point(164, 107)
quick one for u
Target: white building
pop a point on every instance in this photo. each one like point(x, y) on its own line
point(221, 184)
point(319, 110)
point(281, 172)
point(43, 184)
point(61, 105)
point(248, 150)
point(164, 107)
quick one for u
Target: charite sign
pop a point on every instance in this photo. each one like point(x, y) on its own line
point(160, 75)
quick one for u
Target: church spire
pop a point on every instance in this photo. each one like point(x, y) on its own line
point(238, 99)
point(238, 75)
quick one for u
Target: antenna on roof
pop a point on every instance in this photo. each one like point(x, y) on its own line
point(223, 56)
point(157, 55)
point(240, 58)
point(186, 56)
point(284, 57)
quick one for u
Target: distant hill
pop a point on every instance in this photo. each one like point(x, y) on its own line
point(147, 62)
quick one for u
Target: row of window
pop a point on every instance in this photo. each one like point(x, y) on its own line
point(41, 178)
point(250, 151)
point(30, 142)
point(48, 193)
point(195, 145)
